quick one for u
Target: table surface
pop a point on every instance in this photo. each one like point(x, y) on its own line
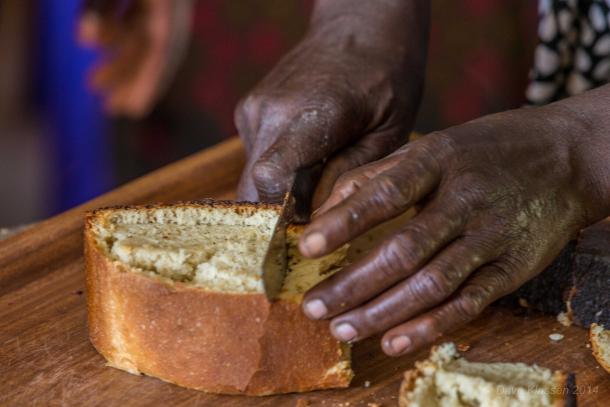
point(46, 357)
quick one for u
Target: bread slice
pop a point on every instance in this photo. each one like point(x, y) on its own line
point(600, 344)
point(446, 379)
point(175, 292)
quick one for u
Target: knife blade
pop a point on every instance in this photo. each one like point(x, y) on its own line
point(296, 207)
point(276, 258)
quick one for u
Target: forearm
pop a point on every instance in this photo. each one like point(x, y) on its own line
point(586, 125)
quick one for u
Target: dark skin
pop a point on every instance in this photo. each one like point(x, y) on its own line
point(498, 197)
point(343, 97)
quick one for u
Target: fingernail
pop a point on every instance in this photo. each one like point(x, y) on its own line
point(345, 332)
point(316, 309)
point(315, 243)
point(400, 343)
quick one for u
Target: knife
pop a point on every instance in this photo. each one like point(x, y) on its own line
point(293, 210)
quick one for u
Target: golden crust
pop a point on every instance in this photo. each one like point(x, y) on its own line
point(210, 341)
point(237, 206)
point(407, 385)
point(596, 347)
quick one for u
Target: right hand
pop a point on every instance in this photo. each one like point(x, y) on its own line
point(343, 97)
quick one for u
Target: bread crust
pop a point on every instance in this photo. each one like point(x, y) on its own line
point(215, 342)
point(596, 347)
point(565, 383)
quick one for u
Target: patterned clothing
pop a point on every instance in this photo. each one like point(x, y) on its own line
point(573, 54)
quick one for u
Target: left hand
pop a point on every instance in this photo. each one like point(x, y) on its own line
point(500, 196)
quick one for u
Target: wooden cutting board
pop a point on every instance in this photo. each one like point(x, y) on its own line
point(46, 358)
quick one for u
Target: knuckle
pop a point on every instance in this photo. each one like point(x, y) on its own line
point(472, 301)
point(431, 327)
point(265, 171)
point(502, 278)
point(347, 184)
point(325, 103)
point(437, 283)
point(350, 218)
point(441, 142)
point(484, 245)
point(391, 195)
point(247, 107)
point(378, 315)
point(268, 177)
point(403, 252)
point(342, 293)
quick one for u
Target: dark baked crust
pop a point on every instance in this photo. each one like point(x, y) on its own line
point(577, 282)
point(216, 342)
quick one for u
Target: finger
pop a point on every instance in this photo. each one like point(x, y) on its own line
point(428, 287)
point(247, 118)
point(385, 196)
point(485, 286)
point(395, 259)
point(246, 190)
point(303, 140)
point(353, 180)
point(372, 147)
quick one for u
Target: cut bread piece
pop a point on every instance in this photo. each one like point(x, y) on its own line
point(175, 292)
point(445, 379)
point(576, 284)
point(600, 344)
point(215, 247)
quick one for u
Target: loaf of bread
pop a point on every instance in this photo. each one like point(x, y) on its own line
point(446, 379)
point(175, 292)
point(600, 344)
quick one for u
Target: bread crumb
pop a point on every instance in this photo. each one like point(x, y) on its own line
point(463, 347)
point(367, 383)
point(555, 337)
point(564, 319)
point(588, 345)
point(523, 302)
point(373, 405)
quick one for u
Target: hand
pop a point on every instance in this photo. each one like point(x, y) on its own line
point(345, 96)
point(143, 42)
point(499, 196)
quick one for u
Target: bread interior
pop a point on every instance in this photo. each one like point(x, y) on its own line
point(446, 380)
point(216, 248)
point(220, 248)
point(601, 338)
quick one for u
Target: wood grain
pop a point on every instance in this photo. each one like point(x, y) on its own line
point(46, 358)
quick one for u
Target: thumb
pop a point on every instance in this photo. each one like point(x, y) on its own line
point(305, 142)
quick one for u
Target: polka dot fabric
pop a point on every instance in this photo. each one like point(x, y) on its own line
point(573, 54)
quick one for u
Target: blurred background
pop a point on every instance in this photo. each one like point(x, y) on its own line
point(59, 147)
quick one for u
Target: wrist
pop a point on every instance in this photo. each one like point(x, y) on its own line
point(581, 123)
point(391, 27)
